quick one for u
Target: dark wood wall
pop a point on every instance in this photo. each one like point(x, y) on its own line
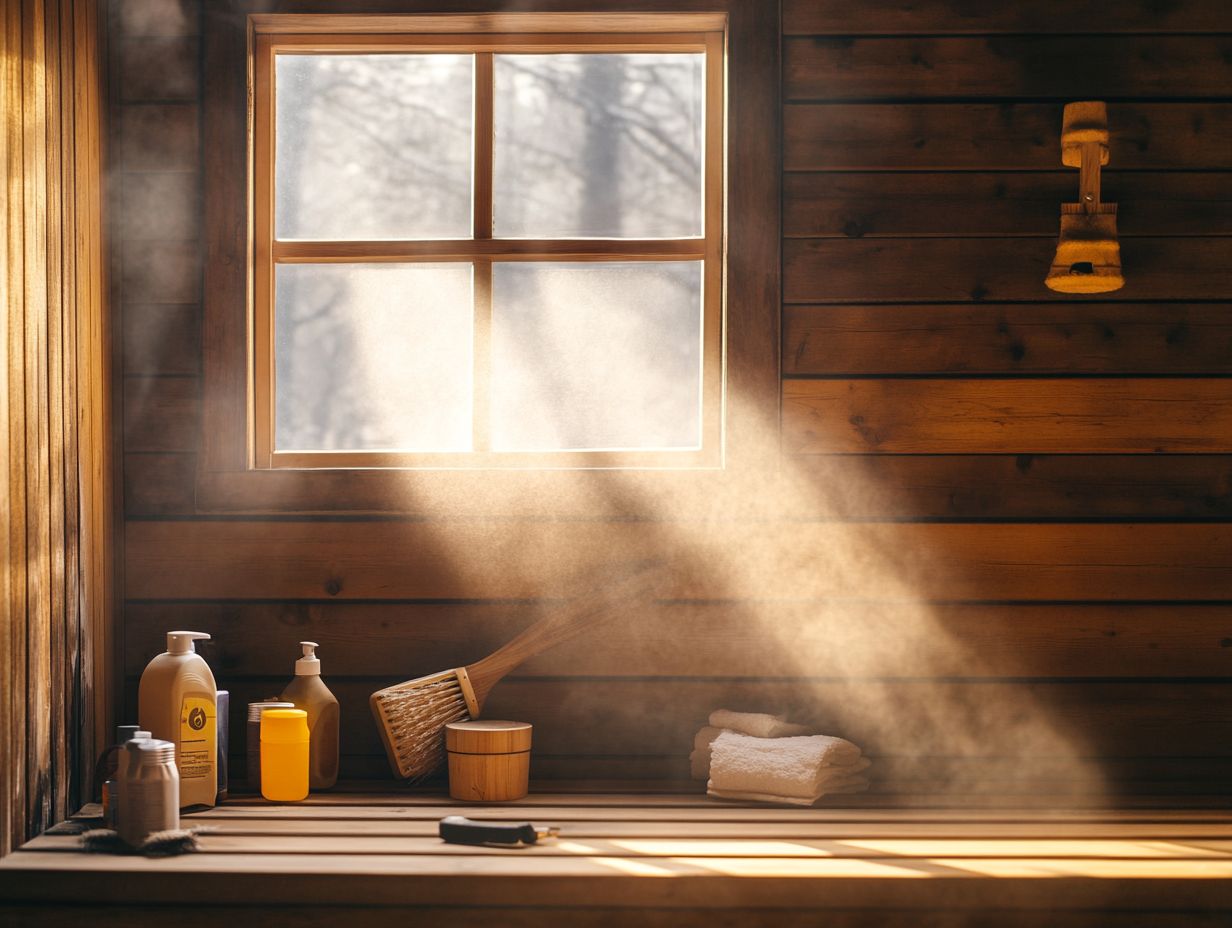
point(55, 389)
point(997, 537)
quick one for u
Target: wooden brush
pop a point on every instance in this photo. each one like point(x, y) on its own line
point(412, 716)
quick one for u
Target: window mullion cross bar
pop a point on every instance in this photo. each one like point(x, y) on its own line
point(484, 128)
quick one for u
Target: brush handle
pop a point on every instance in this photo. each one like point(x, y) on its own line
point(620, 589)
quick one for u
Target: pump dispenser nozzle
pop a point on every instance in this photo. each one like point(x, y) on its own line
point(182, 642)
point(309, 663)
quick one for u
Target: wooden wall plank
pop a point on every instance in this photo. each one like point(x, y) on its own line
point(1004, 137)
point(893, 17)
point(12, 443)
point(99, 671)
point(835, 639)
point(162, 413)
point(1090, 67)
point(159, 205)
point(157, 484)
point(158, 69)
point(162, 339)
point(860, 205)
point(1038, 338)
point(39, 541)
point(157, 17)
point(956, 270)
point(59, 238)
point(787, 560)
point(51, 915)
point(1087, 416)
point(999, 487)
point(617, 718)
point(159, 137)
point(161, 271)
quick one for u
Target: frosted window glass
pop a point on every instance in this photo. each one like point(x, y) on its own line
point(373, 357)
point(598, 146)
point(596, 356)
point(373, 147)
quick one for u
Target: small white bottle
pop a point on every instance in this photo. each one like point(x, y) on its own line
point(149, 790)
point(306, 691)
point(177, 702)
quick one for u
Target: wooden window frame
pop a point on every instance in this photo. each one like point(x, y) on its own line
point(227, 478)
point(483, 249)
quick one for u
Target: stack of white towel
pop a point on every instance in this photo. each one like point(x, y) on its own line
point(751, 755)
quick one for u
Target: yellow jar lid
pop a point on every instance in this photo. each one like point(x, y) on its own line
point(284, 725)
point(487, 736)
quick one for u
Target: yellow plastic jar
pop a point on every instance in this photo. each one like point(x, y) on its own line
point(284, 755)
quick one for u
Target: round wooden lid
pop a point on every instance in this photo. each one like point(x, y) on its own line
point(487, 736)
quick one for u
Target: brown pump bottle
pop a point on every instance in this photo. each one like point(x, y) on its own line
point(309, 693)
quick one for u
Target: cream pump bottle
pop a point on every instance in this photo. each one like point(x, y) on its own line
point(309, 693)
point(176, 702)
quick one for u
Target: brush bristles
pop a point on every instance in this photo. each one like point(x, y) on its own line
point(414, 716)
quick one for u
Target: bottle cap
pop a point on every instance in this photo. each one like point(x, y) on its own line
point(140, 735)
point(256, 708)
point(284, 726)
point(182, 642)
point(149, 751)
point(309, 663)
point(126, 732)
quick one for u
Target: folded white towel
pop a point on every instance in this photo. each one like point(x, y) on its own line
point(699, 758)
point(840, 753)
point(796, 766)
point(757, 724)
point(704, 736)
point(852, 784)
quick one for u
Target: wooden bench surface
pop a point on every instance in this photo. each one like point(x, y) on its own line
point(653, 857)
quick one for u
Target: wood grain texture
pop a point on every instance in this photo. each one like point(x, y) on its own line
point(161, 413)
point(157, 17)
point(159, 484)
point(159, 206)
point(1038, 338)
point(159, 137)
point(158, 69)
point(997, 487)
point(162, 338)
point(892, 17)
point(918, 234)
point(53, 399)
point(615, 864)
point(161, 271)
point(1067, 721)
point(514, 560)
point(852, 486)
point(1123, 416)
point(1004, 137)
point(317, 916)
point(834, 639)
point(1085, 67)
point(873, 204)
point(953, 270)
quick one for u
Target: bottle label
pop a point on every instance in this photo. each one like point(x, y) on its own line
point(195, 752)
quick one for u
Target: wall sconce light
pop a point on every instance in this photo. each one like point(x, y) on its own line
point(1088, 258)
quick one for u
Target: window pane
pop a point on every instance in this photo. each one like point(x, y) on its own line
point(596, 356)
point(372, 147)
point(598, 146)
point(373, 357)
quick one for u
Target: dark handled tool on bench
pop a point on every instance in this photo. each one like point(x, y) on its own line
point(459, 830)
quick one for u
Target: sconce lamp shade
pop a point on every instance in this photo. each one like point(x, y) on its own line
point(1088, 258)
